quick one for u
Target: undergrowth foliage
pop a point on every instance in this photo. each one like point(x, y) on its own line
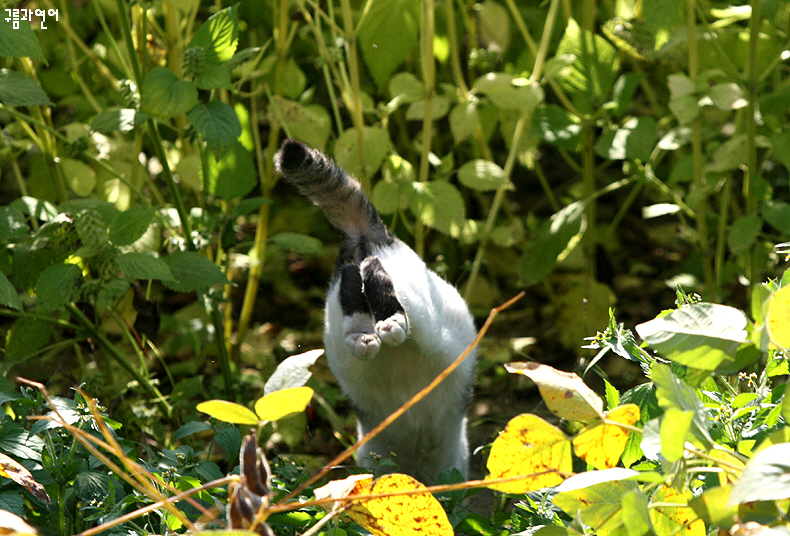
point(513, 145)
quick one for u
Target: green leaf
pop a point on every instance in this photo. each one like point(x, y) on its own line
point(494, 25)
point(347, 153)
point(192, 271)
point(130, 225)
point(139, 265)
point(727, 96)
point(766, 477)
point(554, 240)
point(298, 243)
point(482, 175)
point(780, 143)
point(17, 89)
point(8, 294)
point(123, 120)
point(25, 337)
point(91, 486)
point(192, 427)
point(675, 425)
point(712, 507)
point(225, 411)
point(440, 105)
point(598, 506)
point(388, 35)
point(557, 126)
point(509, 92)
point(636, 516)
point(80, 177)
point(165, 96)
point(744, 232)
point(464, 119)
point(216, 122)
point(685, 108)
point(13, 225)
point(672, 393)
point(702, 335)
point(310, 124)
point(219, 35)
point(635, 140)
point(57, 286)
point(404, 87)
point(773, 211)
point(439, 205)
point(595, 64)
point(213, 76)
point(280, 404)
point(20, 42)
point(386, 197)
point(294, 371)
point(232, 175)
point(623, 91)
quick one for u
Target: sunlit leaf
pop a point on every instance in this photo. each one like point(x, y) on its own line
point(766, 477)
point(531, 447)
point(598, 506)
point(223, 410)
point(677, 520)
point(10, 468)
point(292, 372)
point(779, 317)
point(279, 404)
point(601, 444)
point(565, 394)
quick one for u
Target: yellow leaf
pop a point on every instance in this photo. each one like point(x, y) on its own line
point(529, 446)
point(601, 444)
point(282, 403)
point(779, 317)
point(399, 515)
point(565, 394)
point(12, 469)
point(677, 520)
point(222, 410)
point(732, 467)
point(339, 489)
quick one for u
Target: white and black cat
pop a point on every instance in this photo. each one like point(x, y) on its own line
point(382, 292)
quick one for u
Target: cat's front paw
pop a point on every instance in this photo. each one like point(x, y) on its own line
point(364, 345)
point(393, 330)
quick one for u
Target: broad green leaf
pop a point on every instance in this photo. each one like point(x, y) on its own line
point(165, 96)
point(673, 519)
point(509, 92)
point(555, 239)
point(280, 404)
point(727, 96)
point(17, 89)
point(439, 205)
point(744, 232)
point(80, 177)
point(531, 447)
point(599, 506)
point(464, 119)
point(225, 411)
point(780, 142)
point(13, 225)
point(139, 265)
point(675, 425)
point(406, 88)
point(493, 22)
point(672, 393)
point(557, 126)
point(123, 120)
point(376, 146)
point(308, 123)
point(8, 294)
point(593, 70)
point(712, 507)
point(386, 197)
point(440, 105)
point(219, 35)
point(635, 140)
point(57, 286)
point(231, 174)
point(482, 175)
point(25, 337)
point(388, 35)
point(685, 108)
point(601, 444)
point(91, 486)
point(636, 516)
point(564, 393)
point(294, 371)
point(19, 42)
point(128, 226)
point(766, 477)
point(777, 212)
point(298, 243)
point(623, 91)
point(703, 335)
point(192, 271)
point(216, 122)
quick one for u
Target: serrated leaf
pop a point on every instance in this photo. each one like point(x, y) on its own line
point(703, 335)
point(192, 271)
point(482, 175)
point(225, 411)
point(531, 447)
point(19, 42)
point(128, 226)
point(213, 76)
point(165, 96)
point(139, 265)
point(376, 146)
point(388, 35)
point(123, 120)
point(17, 89)
point(231, 175)
point(283, 403)
point(557, 126)
point(294, 371)
point(216, 122)
point(25, 337)
point(91, 485)
point(9, 297)
point(308, 123)
point(219, 35)
point(439, 205)
point(57, 286)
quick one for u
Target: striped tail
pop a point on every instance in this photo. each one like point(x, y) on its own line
point(324, 183)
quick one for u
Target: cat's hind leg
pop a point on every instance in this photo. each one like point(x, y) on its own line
point(358, 329)
point(391, 322)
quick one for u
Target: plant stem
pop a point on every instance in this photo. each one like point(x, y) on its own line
point(752, 170)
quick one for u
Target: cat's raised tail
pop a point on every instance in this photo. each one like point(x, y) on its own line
point(324, 183)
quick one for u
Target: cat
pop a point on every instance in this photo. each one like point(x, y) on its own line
point(391, 326)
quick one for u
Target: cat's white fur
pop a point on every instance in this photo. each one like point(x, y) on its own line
point(379, 378)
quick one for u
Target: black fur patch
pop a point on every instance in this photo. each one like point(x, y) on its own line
point(352, 300)
point(379, 290)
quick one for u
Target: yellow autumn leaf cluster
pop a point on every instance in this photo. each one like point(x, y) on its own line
point(268, 408)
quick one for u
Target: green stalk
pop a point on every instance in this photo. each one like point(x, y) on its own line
point(429, 80)
point(350, 35)
point(589, 239)
point(753, 170)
